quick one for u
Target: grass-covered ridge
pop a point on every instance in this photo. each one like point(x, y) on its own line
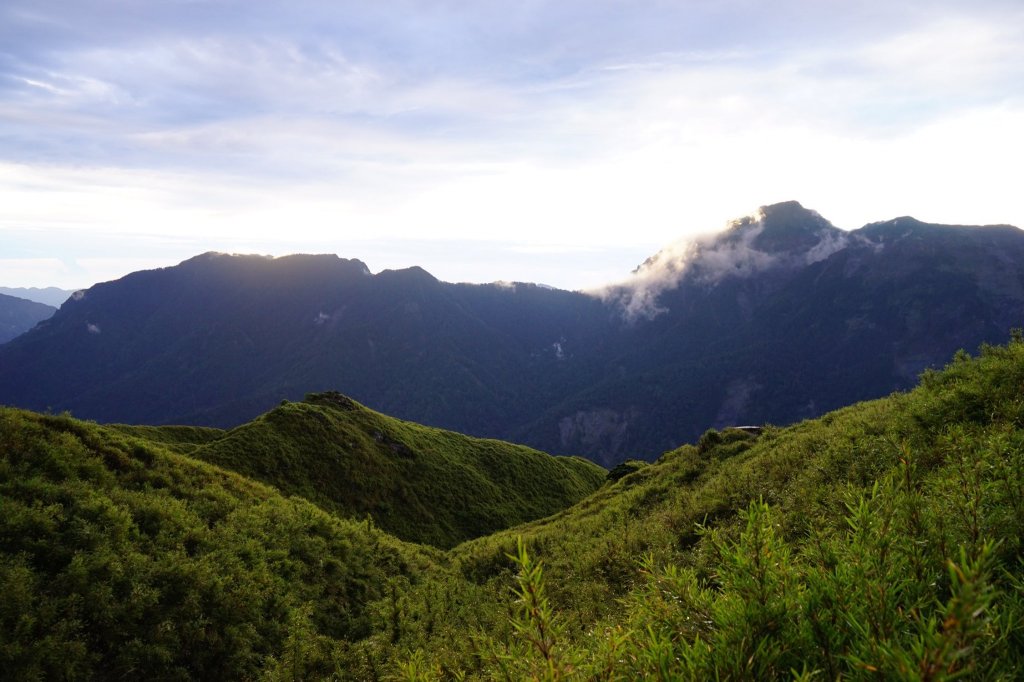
point(120, 559)
point(882, 541)
point(181, 439)
point(419, 483)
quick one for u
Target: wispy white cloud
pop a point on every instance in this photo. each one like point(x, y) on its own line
point(623, 125)
point(708, 259)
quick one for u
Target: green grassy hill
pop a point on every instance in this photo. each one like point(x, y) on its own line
point(120, 559)
point(180, 439)
point(421, 484)
point(881, 541)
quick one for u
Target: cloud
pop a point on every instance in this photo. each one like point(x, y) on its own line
point(17, 270)
point(485, 79)
point(742, 250)
point(621, 125)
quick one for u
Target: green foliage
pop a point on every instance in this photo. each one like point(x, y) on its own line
point(181, 439)
point(625, 468)
point(882, 541)
point(708, 440)
point(120, 559)
point(418, 483)
point(534, 653)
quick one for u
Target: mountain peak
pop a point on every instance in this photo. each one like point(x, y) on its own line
point(786, 227)
point(783, 236)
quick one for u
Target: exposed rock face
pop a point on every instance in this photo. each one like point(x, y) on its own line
point(738, 396)
point(600, 430)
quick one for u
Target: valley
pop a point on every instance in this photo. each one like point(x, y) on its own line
point(511, 342)
point(185, 493)
point(780, 317)
point(884, 537)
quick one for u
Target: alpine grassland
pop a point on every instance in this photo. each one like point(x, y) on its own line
point(418, 483)
point(123, 560)
point(880, 541)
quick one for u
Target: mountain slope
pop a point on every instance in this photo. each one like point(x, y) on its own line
point(119, 559)
point(884, 538)
point(781, 316)
point(18, 315)
point(220, 339)
point(739, 333)
point(417, 483)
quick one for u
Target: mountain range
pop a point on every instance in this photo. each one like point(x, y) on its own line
point(51, 296)
point(780, 317)
point(880, 541)
point(18, 315)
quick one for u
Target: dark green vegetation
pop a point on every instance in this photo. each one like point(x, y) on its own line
point(418, 483)
point(774, 320)
point(881, 541)
point(122, 560)
point(180, 439)
point(123, 554)
point(18, 315)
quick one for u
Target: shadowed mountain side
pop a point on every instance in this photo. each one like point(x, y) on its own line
point(18, 315)
point(747, 555)
point(421, 484)
point(795, 339)
point(779, 317)
point(219, 339)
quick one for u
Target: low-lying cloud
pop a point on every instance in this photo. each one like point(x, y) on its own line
point(708, 259)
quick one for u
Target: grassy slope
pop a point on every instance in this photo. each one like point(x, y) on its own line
point(121, 559)
point(881, 541)
point(419, 483)
point(180, 439)
point(882, 537)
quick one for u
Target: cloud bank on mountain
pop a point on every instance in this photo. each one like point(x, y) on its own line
point(784, 235)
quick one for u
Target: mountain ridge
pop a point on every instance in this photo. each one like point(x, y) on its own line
point(51, 296)
point(736, 556)
point(419, 484)
point(18, 315)
point(732, 330)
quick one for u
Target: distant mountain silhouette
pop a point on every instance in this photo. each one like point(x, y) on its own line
point(51, 296)
point(18, 315)
point(779, 317)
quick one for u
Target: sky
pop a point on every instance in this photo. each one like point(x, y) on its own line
point(557, 142)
